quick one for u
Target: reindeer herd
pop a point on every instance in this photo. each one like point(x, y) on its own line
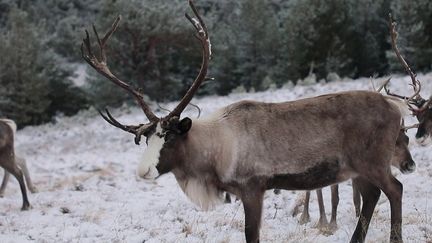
point(249, 147)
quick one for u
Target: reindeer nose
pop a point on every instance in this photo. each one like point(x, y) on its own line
point(424, 140)
point(409, 167)
point(148, 172)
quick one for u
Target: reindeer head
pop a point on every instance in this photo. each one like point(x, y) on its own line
point(163, 135)
point(421, 108)
point(402, 157)
point(424, 131)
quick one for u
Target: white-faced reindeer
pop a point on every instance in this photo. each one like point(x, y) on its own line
point(9, 162)
point(249, 147)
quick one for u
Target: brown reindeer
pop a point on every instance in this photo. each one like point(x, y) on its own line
point(249, 147)
point(21, 162)
point(401, 159)
point(8, 160)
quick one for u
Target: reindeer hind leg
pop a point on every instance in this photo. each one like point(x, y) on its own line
point(16, 171)
point(356, 199)
point(305, 218)
point(322, 222)
point(21, 162)
point(335, 203)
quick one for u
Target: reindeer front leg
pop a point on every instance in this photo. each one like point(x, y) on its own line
point(370, 194)
point(4, 183)
point(252, 204)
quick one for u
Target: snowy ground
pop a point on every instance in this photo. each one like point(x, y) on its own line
point(89, 192)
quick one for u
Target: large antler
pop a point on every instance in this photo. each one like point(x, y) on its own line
point(415, 99)
point(202, 36)
point(100, 65)
point(138, 130)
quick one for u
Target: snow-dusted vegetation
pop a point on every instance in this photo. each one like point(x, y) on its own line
point(85, 171)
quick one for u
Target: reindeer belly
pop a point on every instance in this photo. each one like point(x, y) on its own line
point(320, 175)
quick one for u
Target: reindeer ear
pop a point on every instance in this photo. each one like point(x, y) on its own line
point(184, 125)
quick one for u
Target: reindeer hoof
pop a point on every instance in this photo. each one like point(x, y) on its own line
point(322, 223)
point(1, 195)
point(25, 207)
point(304, 219)
point(333, 225)
point(33, 189)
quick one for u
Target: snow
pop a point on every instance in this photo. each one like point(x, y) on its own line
point(89, 191)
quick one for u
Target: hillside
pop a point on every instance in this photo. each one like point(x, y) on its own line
point(89, 192)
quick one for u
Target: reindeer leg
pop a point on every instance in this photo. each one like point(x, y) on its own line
point(370, 194)
point(299, 202)
point(16, 171)
point(304, 218)
point(335, 202)
point(252, 204)
point(4, 183)
point(393, 190)
point(21, 162)
point(356, 199)
point(322, 222)
point(227, 198)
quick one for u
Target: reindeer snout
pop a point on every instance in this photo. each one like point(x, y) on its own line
point(408, 167)
point(424, 140)
point(147, 172)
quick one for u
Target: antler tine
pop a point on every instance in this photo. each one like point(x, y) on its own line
point(406, 128)
point(202, 36)
point(198, 108)
point(425, 105)
point(138, 130)
point(111, 120)
point(414, 82)
point(387, 90)
point(384, 85)
point(100, 65)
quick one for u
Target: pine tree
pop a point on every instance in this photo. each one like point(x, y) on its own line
point(34, 80)
point(24, 91)
point(414, 25)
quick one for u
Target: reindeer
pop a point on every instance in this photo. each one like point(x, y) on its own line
point(249, 147)
point(21, 162)
point(401, 159)
point(420, 107)
point(8, 160)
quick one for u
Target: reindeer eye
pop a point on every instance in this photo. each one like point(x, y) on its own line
point(159, 134)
